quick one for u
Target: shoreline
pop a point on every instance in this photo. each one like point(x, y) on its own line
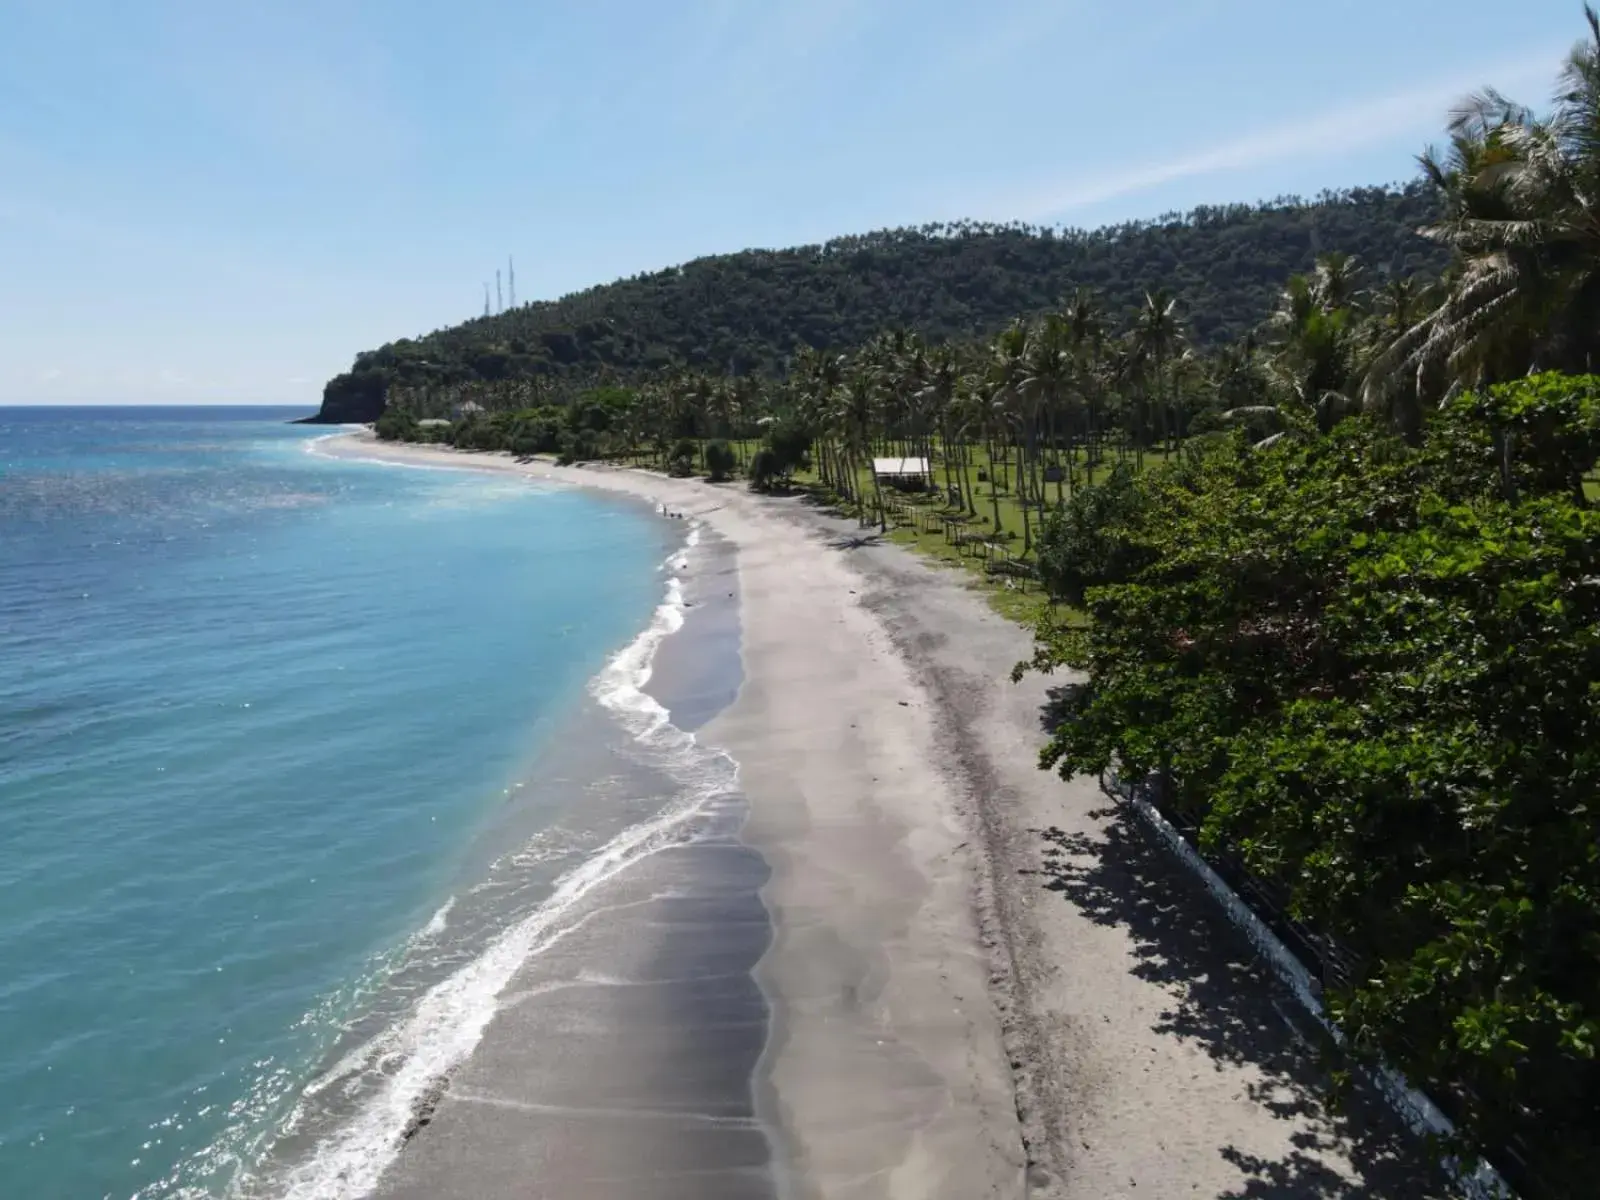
point(981, 981)
point(631, 787)
point(883, 1071)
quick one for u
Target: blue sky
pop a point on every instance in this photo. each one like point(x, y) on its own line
point(206, 201)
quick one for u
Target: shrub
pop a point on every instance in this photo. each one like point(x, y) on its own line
point(791, 448)
point(1370, 673)
point(764, 470)
point(720, 460)
point(577, 446)
point(476, 432)
point(396, 426)
point(1085, 542)
point(681, 459)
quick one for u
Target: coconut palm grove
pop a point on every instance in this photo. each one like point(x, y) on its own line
point(1298, 497)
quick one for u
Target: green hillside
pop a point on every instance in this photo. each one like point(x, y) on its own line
point(748, 312)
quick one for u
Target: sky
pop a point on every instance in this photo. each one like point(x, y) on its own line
point(206, 202)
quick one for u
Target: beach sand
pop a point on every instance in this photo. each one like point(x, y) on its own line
point(978, 980)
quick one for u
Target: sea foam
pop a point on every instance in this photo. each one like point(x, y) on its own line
point(450, 1019)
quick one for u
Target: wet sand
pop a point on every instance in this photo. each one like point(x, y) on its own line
point(620, 1061)
point(981, 980)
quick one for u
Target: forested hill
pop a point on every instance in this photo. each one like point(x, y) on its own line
point(746, 312)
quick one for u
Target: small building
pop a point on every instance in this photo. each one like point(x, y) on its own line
point(909, 474)
point(470, 408)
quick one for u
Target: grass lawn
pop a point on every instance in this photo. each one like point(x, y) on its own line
point(1017, 599)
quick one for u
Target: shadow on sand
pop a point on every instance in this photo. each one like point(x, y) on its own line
point(1224, 1001)
point(1062, 698)
point(855, 541)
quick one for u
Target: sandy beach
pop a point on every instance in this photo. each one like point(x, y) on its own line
point(975, 979)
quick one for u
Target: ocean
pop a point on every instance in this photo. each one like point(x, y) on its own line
point(301, 760)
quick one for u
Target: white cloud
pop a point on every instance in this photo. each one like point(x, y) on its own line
point(1349, 127)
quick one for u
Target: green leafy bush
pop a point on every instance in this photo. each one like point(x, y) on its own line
point(577, 446)
point(1085, 541)
point(720, 460)
point(681, 459)
point(790, 444)
point(395, 426)
point(1372, 673)
point(764, 472)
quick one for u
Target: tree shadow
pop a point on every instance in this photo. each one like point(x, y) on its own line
point(1300, 1175)
point(855, 541)
point(1223, 1001)
point(1060, 701)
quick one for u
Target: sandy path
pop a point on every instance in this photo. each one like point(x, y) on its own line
point(984, 981)
point(885, 1069)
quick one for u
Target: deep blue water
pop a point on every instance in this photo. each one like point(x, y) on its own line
point(257, 707)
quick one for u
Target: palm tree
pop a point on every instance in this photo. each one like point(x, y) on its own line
point(1156, 339)
point(1086, 331)
point(915, 369)
point(817, 379)
point(745, 402)
point(1047, 374)
point(1191, 386)
point(1318, 335)
point(1011, 405)
point(966, 416)
point(1397, 306)
point(1237, 375)
point(1521, 200)
point(857, 416)
point(938, 399)
point(1335, 280)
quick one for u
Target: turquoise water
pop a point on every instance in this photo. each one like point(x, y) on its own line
point(257, 709)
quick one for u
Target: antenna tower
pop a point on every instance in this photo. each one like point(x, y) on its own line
point(511, 281)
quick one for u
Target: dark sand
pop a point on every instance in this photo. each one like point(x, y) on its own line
point(621, 1059)
point(619, 1064)
point(982, 980)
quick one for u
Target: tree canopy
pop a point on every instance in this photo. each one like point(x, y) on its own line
point(750, 313)
point(1368, 672)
